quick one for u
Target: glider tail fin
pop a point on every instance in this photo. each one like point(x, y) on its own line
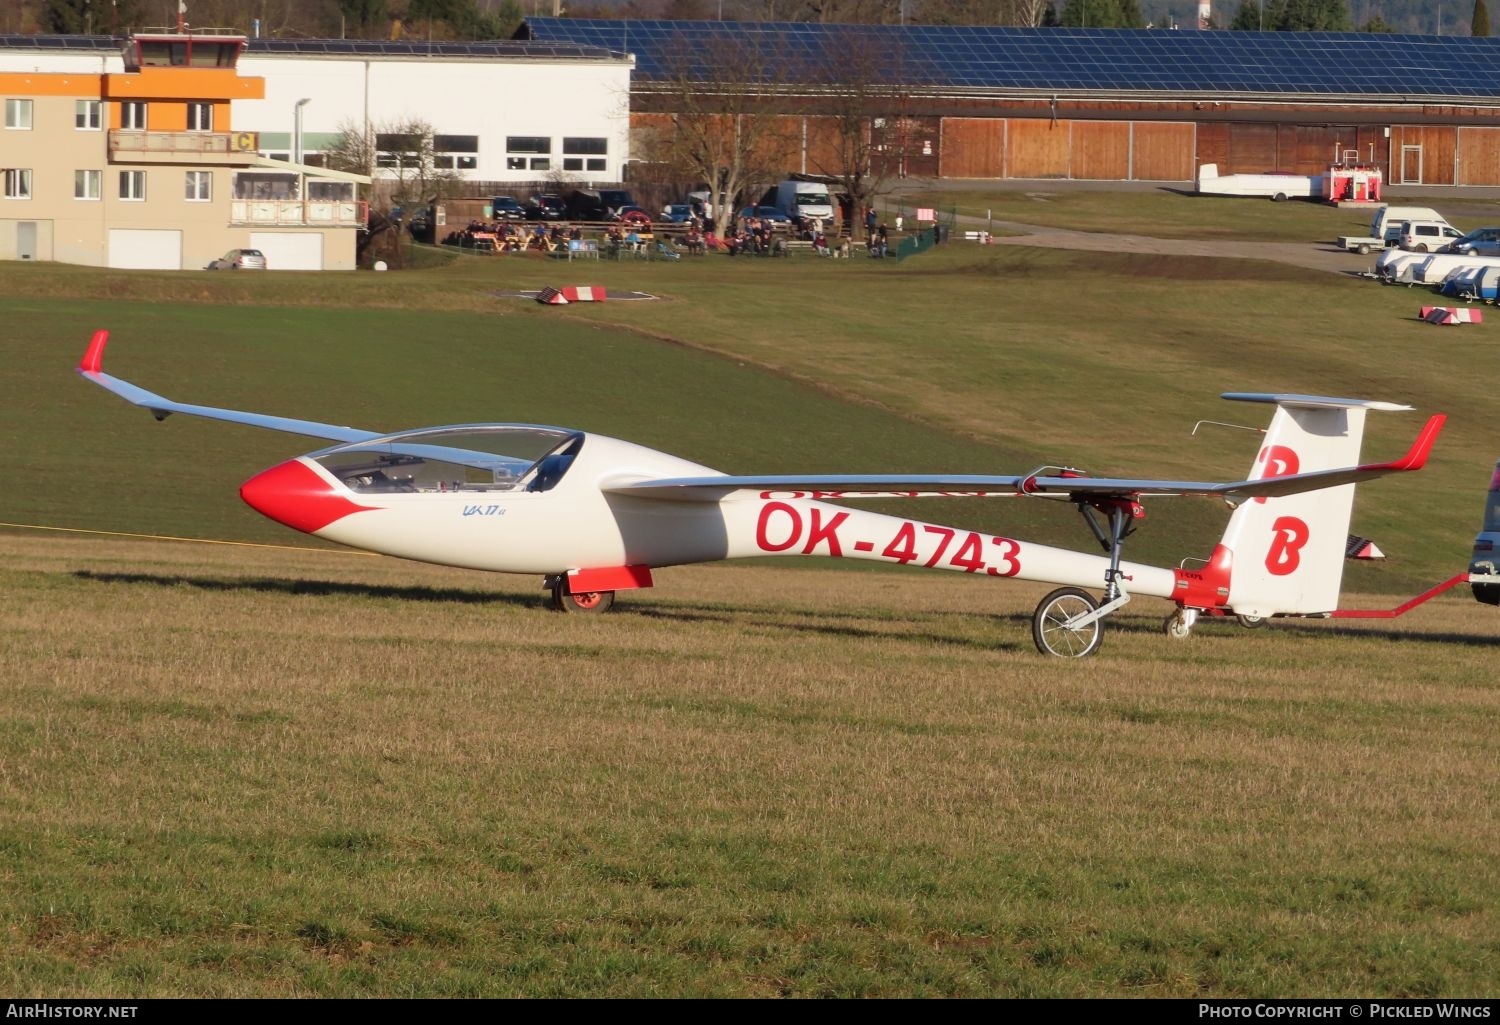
point(1286, 554)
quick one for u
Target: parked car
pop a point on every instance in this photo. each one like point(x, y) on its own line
point(546, 207)
point(1486, 558)
point(632, 215)
point(1426, 236)
point(1479, 242)
point(774, 214)
point(677, 213)
point(240, 259)
point(505, 208)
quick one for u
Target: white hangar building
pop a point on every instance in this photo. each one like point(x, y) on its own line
point(501, 111)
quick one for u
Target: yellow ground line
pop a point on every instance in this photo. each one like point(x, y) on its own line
point(193, 540)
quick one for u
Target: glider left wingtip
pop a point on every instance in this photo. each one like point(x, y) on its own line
point(93, 357)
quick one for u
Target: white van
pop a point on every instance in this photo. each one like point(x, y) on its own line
point(1426, 236)
point(805, 199)
point(1386, 223)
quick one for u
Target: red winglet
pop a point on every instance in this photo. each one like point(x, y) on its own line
point(1420, 449)
point(93, 357)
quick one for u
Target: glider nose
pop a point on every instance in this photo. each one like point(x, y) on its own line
point(296, 495)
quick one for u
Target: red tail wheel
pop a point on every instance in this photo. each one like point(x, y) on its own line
point(584, 601)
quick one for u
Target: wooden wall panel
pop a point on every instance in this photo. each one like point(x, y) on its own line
point(1213, 146)
point(1036, 149)
point(1252, 149)
point(1479, 156)
point(1162, 152)
point(1286, 148)
point(973, 147)
point(823, 147)
point(1101, 150)
point(1312, 149)
point(1439, 143)
point(1372, 145)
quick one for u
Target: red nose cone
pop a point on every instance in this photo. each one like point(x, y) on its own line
point(295, 495)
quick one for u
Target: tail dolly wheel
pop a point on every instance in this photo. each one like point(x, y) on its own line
point(583, 601)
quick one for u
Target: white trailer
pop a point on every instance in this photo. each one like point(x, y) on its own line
point(1270, 186)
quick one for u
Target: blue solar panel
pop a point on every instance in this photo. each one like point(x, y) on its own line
point(1066, 59)
point(491, 49)
point(48, 42)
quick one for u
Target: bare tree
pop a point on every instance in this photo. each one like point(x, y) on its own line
point(400, 156)
point(724, 128)
point(863, 99)
point(1023, 13)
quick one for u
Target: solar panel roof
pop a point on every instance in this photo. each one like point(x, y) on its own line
point(1072, 59)
point(562, 49)
point(75, 43)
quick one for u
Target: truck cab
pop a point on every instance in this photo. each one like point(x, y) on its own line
point(1486, 558)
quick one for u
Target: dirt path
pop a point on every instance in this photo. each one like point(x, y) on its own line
point(1312, 255)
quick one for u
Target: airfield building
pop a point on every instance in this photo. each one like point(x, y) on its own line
point(131, 154)
point(1088, 104)
point(506, 112)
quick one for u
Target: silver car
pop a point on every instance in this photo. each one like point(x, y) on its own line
point(240, 259)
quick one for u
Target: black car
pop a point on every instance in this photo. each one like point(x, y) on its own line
point(505, 208)
point(546, 207)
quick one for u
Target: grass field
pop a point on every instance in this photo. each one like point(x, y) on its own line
point(1168, 213)
point(254, 771)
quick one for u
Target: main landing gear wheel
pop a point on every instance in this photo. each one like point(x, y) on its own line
point(1049, 629)
point(1251, 622)
point(584, 601)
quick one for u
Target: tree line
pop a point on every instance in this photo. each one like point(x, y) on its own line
point(498, 19)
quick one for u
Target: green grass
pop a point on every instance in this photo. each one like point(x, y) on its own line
point(284, 774)
point(968, 359)
point(228, 771)
point(1169, 213)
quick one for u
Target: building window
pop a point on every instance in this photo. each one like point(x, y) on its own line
point(86, 115)
point(455, 152)
point(572, 163)
point(541, 164)
point(200, 186)
point(528, 144)
point(133, 185)
point(18, 115)
point(596, 163)
point(88, 184)
point(515, 163)
point(200, 117)
point(585, 147)
point(133, 115)
point(398, 149)
point(17, 183)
